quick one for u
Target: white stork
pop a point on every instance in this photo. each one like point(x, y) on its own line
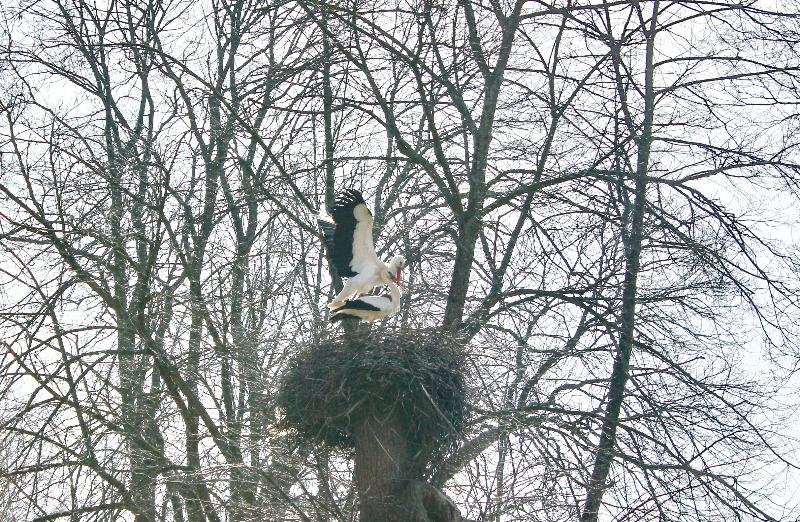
point(349, 242)
point(369, 307)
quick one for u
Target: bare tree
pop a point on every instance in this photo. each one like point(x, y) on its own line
point(618, 108)
point(591, 196)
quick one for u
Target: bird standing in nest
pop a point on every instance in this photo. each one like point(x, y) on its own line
point(369, 307)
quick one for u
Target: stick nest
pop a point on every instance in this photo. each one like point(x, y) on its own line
point(329, 388)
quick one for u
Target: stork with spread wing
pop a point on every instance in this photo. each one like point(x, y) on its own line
point(349, 241)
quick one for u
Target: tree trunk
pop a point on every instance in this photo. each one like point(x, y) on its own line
point(381, 451)
point(633, 249)
point(386, 491)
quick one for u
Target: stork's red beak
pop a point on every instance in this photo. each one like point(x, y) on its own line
point(398, 280)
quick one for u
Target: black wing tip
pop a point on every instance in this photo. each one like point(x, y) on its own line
point(348, 197)
point(326, 226)
point(358, 304)
point(342, 317)
point(328, 234)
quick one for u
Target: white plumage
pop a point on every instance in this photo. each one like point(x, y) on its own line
point(369, 307)
point(348, 237)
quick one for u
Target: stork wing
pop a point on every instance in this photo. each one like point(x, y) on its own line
point(328, 233)
point(349, 237)
point(372, 303)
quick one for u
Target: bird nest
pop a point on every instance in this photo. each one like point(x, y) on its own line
point(330, 388)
